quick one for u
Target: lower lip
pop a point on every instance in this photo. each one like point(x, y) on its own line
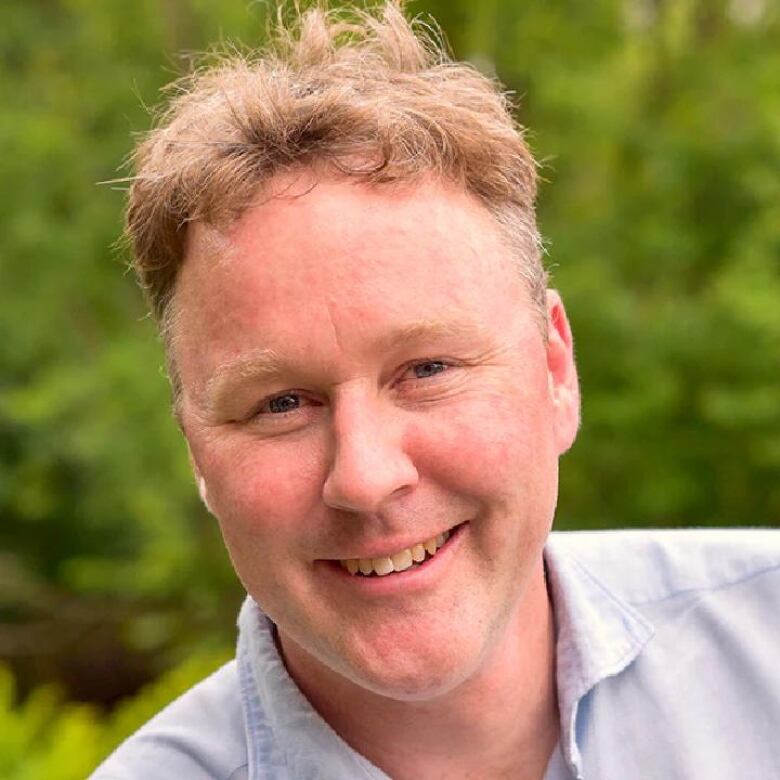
point(414, 577)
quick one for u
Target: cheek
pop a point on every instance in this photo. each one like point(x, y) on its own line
point(494, 446)
point(258, 485)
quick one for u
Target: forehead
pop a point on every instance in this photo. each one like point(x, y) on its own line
point(304, 225)
point(318, 256)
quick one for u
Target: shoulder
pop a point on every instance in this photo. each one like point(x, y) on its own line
point(642, 567)
point(706, 670)
point(200, 736)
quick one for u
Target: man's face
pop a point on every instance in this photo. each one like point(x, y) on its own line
point(362, 372)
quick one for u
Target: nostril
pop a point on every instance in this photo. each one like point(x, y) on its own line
point(365, 485)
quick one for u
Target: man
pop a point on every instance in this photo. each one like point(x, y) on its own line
point(338, 241)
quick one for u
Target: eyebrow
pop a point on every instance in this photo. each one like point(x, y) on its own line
point(252, 365)
point(260, 364)
point(428, 329)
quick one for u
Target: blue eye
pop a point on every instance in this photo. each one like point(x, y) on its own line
point(288, 402)
point(429, 368)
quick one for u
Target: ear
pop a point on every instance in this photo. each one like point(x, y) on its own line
point(562, 373)
point(199, 481)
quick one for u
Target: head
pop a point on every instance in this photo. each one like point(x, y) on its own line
point(372, 99)
point(337, 238)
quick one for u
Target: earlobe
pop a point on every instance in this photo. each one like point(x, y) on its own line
point(562, 373)
point(199, 481)
point(203, 491)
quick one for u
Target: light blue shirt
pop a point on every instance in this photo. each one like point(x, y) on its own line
point(668, 668)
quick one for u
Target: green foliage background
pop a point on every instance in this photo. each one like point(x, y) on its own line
point(658, 124)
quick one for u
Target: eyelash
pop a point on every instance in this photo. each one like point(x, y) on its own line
point(268, 401)
point(429, 362)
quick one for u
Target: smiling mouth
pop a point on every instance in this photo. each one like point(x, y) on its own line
point(408, 558)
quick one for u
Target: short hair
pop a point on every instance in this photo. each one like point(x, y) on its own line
point(369, 95)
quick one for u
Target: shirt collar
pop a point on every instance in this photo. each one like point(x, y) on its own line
point(598, 636)
point(280, 719)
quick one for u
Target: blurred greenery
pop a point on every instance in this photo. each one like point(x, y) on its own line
point(658, 125)
point(47, 737)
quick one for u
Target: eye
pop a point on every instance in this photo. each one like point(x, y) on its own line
point(288, 402)
point(283, 404)
point(426, 381)
point(285, 412)
point(428, 368)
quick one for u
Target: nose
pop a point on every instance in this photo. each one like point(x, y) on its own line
point(369, 464)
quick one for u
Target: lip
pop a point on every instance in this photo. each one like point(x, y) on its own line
point(388, 550)
point(414, 578)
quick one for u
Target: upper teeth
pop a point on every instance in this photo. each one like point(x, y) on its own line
point(399, 561)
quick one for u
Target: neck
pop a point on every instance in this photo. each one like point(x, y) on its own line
point(501, 722)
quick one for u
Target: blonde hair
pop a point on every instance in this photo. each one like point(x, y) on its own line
point(370, 96)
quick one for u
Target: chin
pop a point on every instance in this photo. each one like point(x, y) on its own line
point(412, 673)
point(412, 686)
